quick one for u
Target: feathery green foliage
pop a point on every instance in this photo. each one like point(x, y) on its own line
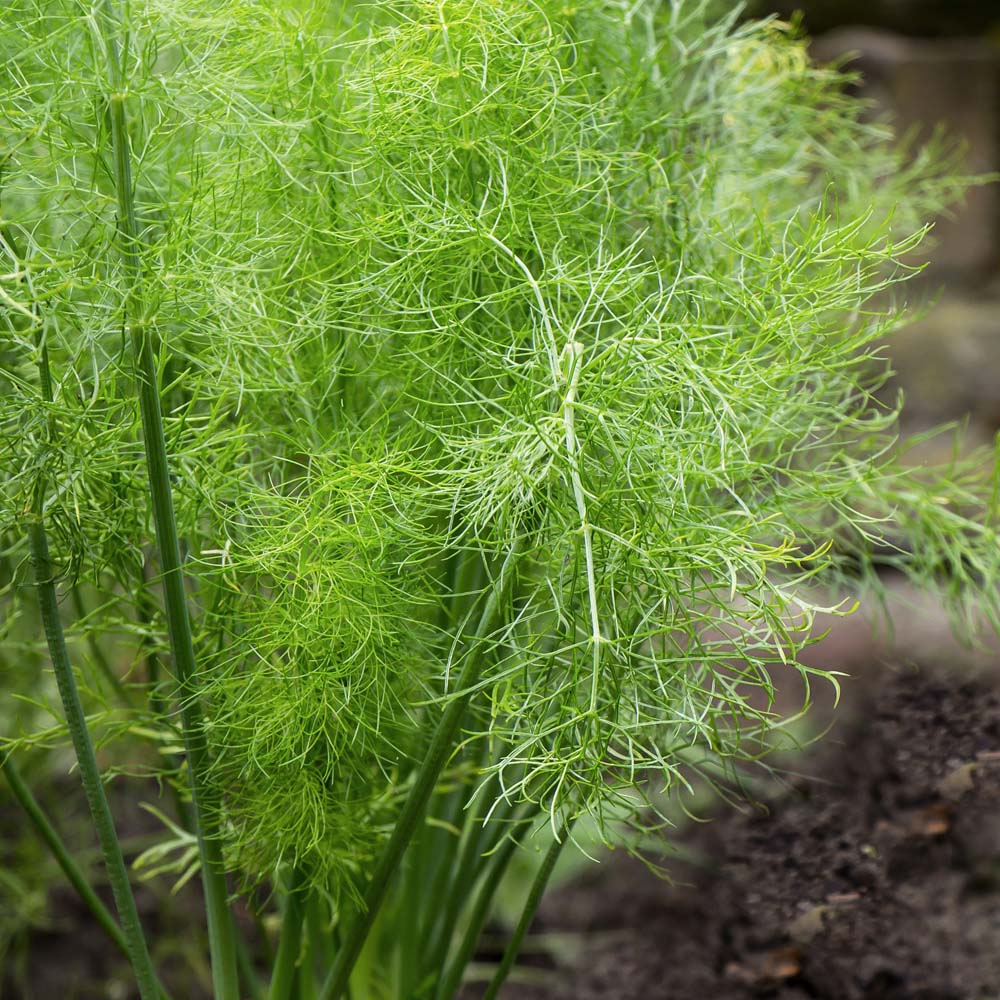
point(518, 357)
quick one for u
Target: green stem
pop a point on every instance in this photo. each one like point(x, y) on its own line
point(488, 886)
point(157, 703)
point(90, 774)
point(283, 975)
point(48, 833)
point(320, 933)
point(138, 323)
point(307, 977)
point(441, 870)
point(409, 906)
point(64, 859)
point(431, 866)
point(338, 940)
point(440, 749)
point(535, 894)
point(461, 874)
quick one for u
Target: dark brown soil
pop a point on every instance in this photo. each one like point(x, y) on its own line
point(877, 877)
point(872, 875)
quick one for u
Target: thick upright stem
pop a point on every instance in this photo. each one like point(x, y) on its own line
point(138, 324)
point(440, 749)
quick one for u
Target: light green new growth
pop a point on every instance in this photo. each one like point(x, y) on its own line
point(517, 366)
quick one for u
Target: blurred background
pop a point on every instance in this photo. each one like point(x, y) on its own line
point(928, 64)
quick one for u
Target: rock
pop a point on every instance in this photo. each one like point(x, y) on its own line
point(957, 783)
point(809, 924)
point(914, 17)
point(946, 365)
point(920, 85)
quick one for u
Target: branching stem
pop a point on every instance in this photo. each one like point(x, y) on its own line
point(138, 322)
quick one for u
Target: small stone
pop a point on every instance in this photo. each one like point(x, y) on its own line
point(810, 924)
point(955, 784)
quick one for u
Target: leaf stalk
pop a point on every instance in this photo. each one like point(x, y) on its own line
point(441, 747)
point(138, 324)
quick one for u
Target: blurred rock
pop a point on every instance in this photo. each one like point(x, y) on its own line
point(922, 84)
point(947, 365)
point(914, 17)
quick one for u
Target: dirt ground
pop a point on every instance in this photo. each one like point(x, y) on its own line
point(874, 875)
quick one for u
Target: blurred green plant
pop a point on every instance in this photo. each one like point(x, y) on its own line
point(450, 409)
point(24, 880)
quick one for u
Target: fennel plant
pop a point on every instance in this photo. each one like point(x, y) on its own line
point(452, 412)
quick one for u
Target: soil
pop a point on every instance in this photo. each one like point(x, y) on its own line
point(873, 875)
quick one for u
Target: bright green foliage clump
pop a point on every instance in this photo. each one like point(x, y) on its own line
point(325, 651)
point(525, 342)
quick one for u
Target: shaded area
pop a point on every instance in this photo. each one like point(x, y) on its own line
point(914, 17)
point(875, 876)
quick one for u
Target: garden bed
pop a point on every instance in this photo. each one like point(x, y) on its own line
point(875, 874)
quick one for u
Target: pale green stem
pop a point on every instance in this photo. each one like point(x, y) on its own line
point(566, 367)
point(44, 828)
point(440, 749)
point(206, 810)
point(285, 970)
point(573, 356)
point(538, 887)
